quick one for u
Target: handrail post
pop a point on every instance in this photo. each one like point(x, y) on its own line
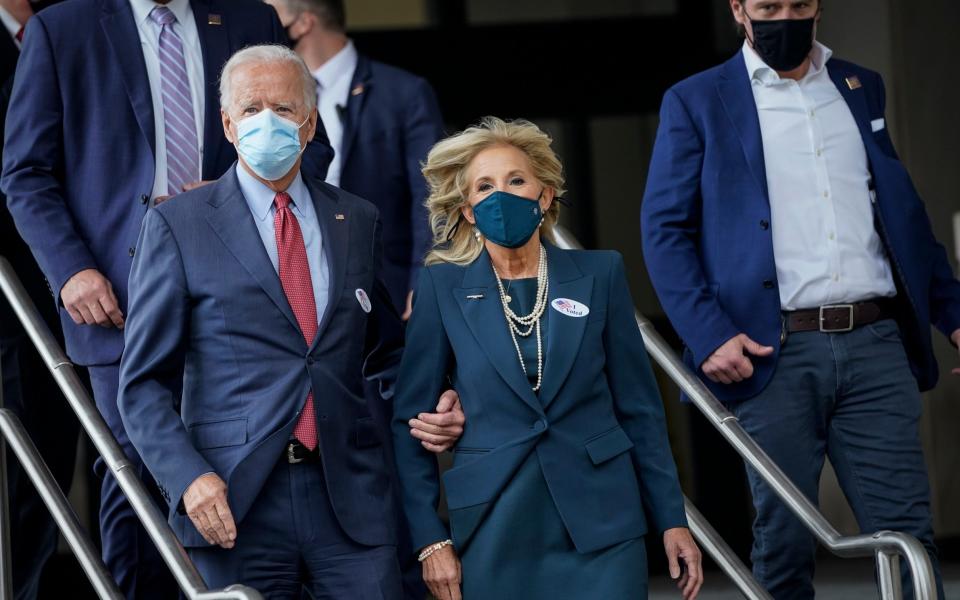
point(888, 575)
point(171, 550)
point(12, 430)
point(6, 564)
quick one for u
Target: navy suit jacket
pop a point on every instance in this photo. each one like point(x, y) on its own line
point(78, 162)
point(216, 369)
point(706, 214)
point(597, 426)
point(391, 121)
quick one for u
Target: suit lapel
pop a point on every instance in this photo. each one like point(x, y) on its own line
point(334, 218)
point(359, 90)
point(484, 316)
point(233, 224)
point(564, 333)
point(856, 99)
point(120, 29)
point(737, 98)
point(215, 46)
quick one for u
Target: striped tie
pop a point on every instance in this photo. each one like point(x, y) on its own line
point(179, 124)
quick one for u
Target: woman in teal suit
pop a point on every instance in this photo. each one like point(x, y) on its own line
point(564, 464)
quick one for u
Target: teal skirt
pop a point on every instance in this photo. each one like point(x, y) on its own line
point(522, 551)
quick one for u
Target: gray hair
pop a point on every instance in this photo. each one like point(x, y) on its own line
point(267, 54)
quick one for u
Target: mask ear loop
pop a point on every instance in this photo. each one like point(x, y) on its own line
point(456, 227)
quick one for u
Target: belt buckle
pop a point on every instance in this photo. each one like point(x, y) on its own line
point(849, 327)
point(292, 456)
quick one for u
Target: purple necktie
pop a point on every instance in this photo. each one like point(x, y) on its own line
point(179, 124)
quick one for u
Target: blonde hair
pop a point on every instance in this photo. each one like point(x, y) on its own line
point(445, 171)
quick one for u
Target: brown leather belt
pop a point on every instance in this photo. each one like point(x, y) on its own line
point(839, 318)
point(295, 453)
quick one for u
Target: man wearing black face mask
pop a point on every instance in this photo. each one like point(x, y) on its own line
point(793, 255)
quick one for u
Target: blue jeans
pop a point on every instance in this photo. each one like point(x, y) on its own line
point(852, 397)
point(290, 541)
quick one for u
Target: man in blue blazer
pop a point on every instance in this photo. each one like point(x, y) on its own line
point(794, 257)
point(256, 313)
point(103, 123)
point(382, 121)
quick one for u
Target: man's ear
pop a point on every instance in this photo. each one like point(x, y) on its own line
point(227, 121)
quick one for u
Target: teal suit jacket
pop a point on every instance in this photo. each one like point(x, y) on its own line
point(597, 426)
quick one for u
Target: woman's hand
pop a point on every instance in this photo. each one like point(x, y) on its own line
point(441, 573)
point(679, 544)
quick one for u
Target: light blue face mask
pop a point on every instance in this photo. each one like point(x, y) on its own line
point(269, 144)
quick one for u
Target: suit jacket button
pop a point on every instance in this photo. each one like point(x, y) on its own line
point(144, 198)
point(539, 425)
point(768, 284)
point(132, 251)
point(764, 225)
point(310, 360)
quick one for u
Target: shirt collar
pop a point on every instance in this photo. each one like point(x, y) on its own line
point(341, 65)
point(142, 9)
point(759, 71)
point(260, 198)
point(10, 24)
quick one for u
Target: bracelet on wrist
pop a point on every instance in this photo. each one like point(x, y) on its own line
point(429, 550)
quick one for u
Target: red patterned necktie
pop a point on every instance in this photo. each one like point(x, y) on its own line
point(297, 285)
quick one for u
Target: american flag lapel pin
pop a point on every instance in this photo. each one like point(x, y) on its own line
point(357, 90)
point(854, 83)
point(339, 216)
point(214, 19)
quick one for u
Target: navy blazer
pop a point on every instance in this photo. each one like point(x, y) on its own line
point(706, 214)
point(216, 369)
point(597, 426)
point(78, 161)
point(391, 121)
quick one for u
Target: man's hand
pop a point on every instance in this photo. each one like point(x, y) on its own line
point(206, 504)
point(439, 431)
point(88, 297)
point(955, 338)
point(409, 309)
point(441, 573)
point(729, 363)
point(20, 10)
point(679, 545)
point(196, 184)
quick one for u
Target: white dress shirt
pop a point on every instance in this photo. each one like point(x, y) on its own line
point(260, 201)
point(150, 44)
point(11, 25)
point(825, 246)
point(333, 90)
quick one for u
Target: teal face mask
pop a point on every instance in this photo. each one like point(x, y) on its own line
point(270, 145)
point(508, 220)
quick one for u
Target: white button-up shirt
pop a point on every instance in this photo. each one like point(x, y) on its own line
point(150, 44)
point(11, 25)
point(333, 91)
point(825, 246)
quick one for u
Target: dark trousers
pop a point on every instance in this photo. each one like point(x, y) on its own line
point(128, 553)
point(30, 391)
point(850, 396)
point(290, 541)
point(410, 568)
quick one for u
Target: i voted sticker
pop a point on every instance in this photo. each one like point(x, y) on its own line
point(571, 308)
point(363, 299)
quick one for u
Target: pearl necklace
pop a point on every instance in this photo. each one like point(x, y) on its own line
point(531, 321)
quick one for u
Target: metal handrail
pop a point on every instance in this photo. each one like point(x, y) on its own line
point(885, 546)
point(170, 548)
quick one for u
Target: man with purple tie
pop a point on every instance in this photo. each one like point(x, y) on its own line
point(114, 108)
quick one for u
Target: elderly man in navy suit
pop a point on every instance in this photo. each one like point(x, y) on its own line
point(257, 311)
point(794, 256)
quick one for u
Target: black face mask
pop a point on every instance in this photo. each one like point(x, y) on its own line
point(783, 44)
